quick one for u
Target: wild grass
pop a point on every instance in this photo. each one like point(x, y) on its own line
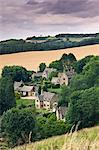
point(86, 139)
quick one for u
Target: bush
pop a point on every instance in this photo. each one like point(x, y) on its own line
point(17, 125)
point(17, 95)
point(48, 126)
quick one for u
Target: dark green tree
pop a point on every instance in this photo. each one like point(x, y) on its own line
point(57, 65)
point(64, 97)
point(53, 74)
point(84, 108)
point(17, 125)
point(42, 67)
point(7, 97)
point(17, 73)
point(79, 65)
point(88, 77)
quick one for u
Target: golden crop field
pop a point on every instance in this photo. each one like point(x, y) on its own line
point(31, 60)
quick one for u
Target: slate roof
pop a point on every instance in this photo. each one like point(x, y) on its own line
point(38, 74)
point(49, 69)
point(26, 88)
point(46, 96)
point(17, 85)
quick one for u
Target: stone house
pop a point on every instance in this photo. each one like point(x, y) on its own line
point(27, 91)
point(55, 81)
point(46, 72)
point(61, 79)
point(46, 100)
point(17, 86)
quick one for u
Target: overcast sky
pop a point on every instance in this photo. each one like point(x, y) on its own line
point(22, 18)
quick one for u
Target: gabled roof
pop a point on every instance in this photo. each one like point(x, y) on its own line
point(46, 96)
point(26, 88)
point(38, 74)
point(49, 70)
point(17, 85)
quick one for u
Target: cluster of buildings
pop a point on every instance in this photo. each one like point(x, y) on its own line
point(46, 100)
point(62, 78)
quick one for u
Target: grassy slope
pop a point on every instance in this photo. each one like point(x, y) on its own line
point(86, 139)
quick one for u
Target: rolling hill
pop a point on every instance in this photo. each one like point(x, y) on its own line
point(31, 60)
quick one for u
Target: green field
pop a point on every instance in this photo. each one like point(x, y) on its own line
point(57, 90)
point(25, 102)
point(86, 139)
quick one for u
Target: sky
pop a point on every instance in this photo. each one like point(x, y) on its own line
point(25, 18)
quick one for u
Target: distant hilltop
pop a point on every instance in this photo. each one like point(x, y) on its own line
point(45, 43)
point(41, 39)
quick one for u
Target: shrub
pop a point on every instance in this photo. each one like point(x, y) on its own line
point(17, 125)
point(17, 95)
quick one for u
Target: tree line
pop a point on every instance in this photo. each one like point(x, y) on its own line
point(15, 46)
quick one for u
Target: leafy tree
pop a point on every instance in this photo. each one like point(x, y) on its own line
point(57, 65)
point(69, 59)
point(39, 90)
point(42, 67)
point(79, 65)
point(78, 82)
point(84, 107)
point(53, 74)
point(17, 125)
point(88, 77)
point(91, 72)
point(49, 126)
point(64, 97)
point(17, 73)
point(7, 97)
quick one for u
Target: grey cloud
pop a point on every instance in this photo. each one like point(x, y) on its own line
point(82, 8)
point(20, 17)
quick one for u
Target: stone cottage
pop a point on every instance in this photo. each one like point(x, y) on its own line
point(46, 72)
point(46, 100)
point(27, 91)
point(61, 79)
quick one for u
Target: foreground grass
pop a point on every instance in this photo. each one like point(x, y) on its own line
point(86, 139)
